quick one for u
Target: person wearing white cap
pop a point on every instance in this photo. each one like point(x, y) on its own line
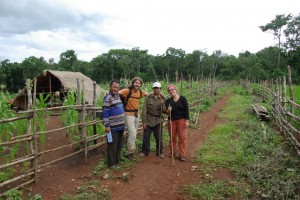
point(154, 106)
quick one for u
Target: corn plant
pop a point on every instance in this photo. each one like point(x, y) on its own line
point(42, 117)
point(70, 117)
point(7, 131)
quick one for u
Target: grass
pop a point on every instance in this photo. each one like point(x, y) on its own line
point(215, 190)
point(296, 92)
point(262, 169)
point(91, 190)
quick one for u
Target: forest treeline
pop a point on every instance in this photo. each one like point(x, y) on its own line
point(268, 63)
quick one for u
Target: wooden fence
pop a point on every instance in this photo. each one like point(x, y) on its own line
point(285, 110)
point(195, 96)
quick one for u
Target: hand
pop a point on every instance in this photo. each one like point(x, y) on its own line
point(145, 125)
point(169, 109)
point(107, 129)
point(186, 124)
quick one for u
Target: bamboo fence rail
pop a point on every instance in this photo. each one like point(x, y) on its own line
point(284, 110)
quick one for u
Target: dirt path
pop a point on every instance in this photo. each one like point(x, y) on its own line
point(151, 178)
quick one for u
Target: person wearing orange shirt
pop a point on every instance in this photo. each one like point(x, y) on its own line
point(131, 112)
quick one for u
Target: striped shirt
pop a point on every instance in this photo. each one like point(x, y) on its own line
point(113, 112)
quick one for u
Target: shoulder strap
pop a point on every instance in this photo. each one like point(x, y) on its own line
point(128, 96)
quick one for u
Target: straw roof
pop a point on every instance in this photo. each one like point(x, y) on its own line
point(52, 81)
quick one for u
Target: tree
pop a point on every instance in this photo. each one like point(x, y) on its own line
point(175, 57)
point(67, 60)
point(292, 34)
point(33, 66)
point(11, 76)
point(275, 27)
point(217, 58)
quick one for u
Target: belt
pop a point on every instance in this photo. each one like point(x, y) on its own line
point(153, 115)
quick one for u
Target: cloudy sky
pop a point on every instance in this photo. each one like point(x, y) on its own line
point(92, 27)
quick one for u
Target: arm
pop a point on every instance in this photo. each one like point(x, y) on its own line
point(144, 113)
point(168, 107)
point(186, 110)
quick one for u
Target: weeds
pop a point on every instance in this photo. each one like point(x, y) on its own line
point(213, 190)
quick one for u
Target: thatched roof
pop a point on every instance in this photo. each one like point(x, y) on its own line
point(52, 81)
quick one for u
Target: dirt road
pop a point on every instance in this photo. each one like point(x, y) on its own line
point(151, 178)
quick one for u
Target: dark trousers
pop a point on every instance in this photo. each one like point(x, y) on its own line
point(157, 132)
point(114, 148)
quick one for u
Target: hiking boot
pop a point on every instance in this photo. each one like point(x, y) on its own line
point(114, 167)
point(162, 156)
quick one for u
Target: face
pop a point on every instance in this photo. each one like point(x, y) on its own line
point(114, 88)
point(156, 90)
point(172, 91)
point(137, 84)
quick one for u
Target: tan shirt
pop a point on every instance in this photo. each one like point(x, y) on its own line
point(152, 110)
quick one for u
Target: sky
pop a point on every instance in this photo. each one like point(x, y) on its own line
point(47, 28)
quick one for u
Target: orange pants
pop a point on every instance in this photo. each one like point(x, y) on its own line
point(178, 130)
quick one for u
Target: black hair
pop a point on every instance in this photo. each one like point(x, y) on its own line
point(113, 81)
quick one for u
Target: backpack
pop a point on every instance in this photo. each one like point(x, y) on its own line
point(125, 100)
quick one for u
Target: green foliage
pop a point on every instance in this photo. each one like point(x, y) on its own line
point(35, 197)
point(6, 174)
point(70, 117)
point(13, 195)
point(296, 92)
point(89, 192)
point(100, 167)
point(42, 117)
point(241, 90)
point(7, 131)
point(214, 190)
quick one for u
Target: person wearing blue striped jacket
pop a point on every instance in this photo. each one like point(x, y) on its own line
point(114, 122)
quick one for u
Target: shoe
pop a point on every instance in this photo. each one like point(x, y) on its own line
point(131, 157)
point(142, 154)
point(162, 156)
point(114, 167)
point(182, 159)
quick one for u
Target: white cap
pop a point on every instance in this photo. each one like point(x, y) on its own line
point(156, 84)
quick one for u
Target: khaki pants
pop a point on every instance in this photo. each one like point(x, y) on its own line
point(132, 123)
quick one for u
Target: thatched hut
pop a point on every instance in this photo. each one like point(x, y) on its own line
point(59, 83)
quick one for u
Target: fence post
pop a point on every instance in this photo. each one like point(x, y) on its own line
point(35, 161)
point(29, 104)
point(50, 91)
point(94, 111)
point(283, 101)
point(83, 114)
point(290, 88)
point(277, 104)
point(78, 99)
